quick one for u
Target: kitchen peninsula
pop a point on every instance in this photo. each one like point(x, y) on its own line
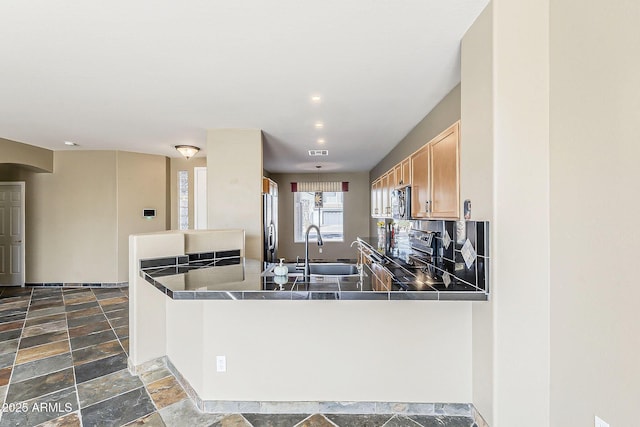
point(265, 342)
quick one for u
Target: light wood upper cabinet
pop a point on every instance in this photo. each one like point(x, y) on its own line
point(420, 185)
point(386, 194)
point(397, 175)
point(434, 176)
point(445, 175)
point(405, 169)
point(269, 186)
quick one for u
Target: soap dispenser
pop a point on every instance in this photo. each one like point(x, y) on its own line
point(281, 269)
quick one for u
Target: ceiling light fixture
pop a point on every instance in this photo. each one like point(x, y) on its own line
point(188, 151)
point(316, 99)
point(70, 144)
point(321, 141)
point(319, 125)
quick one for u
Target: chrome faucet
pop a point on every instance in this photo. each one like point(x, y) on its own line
point(307, 270)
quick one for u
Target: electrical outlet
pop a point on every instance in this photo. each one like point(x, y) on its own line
point(600, 422)
point(221, 363)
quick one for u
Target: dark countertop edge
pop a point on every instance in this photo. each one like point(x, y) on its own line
point(298, 295)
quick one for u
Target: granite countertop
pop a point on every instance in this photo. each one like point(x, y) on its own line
point(238, 278)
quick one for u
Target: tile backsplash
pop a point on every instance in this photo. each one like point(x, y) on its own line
point(451, 257)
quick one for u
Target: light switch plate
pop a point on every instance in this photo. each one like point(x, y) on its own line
point(599, 422)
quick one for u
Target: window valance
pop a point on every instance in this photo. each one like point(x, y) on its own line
point(324, 186)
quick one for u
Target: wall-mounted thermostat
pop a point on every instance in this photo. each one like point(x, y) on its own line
point(149, 213)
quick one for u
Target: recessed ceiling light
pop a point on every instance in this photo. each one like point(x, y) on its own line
point(319, 125)
point(321, 141)
point(71, 144)
point(316, 99)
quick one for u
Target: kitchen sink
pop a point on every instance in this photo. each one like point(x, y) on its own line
point(333, 269)
point(320, 269)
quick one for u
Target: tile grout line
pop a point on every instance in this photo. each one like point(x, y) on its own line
point(15, 358)
point(73, 365)
point(127, 354)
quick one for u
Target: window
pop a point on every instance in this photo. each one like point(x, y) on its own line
point(329, 217)
point(183, 200)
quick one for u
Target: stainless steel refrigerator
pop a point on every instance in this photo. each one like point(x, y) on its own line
point(270, 227)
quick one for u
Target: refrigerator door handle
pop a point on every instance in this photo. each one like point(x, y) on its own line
point(272, 241)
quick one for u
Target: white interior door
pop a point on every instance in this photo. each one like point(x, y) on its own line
point(200, 198)
point(12, 233)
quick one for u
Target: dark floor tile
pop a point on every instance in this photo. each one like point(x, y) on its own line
point(40, 410)
point(89, 329)
point(275, 420)
point(316, 420)
point(114, 307)
point(122, 332)
point(73, 323)
point(45, 312)
point(232, 420)
point(100, 367)
point(7, 359)
point(166, 392)
point(118, 410)
point(6, 311)
point(42, 351)
point(401, 421)
point(96, 352)
point(45, 319)
point(73, 291)
point(152, 420)
point(46, 304)
point(85, 312)
point(10, 346)
point(117, 313)
point(43, 339)
point(442, 421)
point(176, 414)
point(41, 367)
point(119, 322)
point(5, 375)
point(10, 335)
point(14, 292)
point(76, 299)
point(106, 387)
point(92, 339)
point(44, 328)
point(11, 326)
point(81, 306)
point(107, 293)
point(13, 318)
point(358, 420)
point(69, 420)
point(39, 386)
point(125, 344)
point(21, 304)
point(113, 301)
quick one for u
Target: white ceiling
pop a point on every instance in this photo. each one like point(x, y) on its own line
point(147, 75)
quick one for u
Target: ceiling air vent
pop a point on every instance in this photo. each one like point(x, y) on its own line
point(318, 152)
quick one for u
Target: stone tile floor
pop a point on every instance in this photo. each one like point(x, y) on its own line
point(63, 363)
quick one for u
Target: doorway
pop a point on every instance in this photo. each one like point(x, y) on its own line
point(12, 215)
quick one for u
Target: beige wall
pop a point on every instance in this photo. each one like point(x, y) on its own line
point(521, 210)
point(78, 218)
point(140, 180)
point(356, 215)
point(71, 219)
point(595, 133)
point(476, 182)
point(36, 158)
point(234, 184)
point(182, 164)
